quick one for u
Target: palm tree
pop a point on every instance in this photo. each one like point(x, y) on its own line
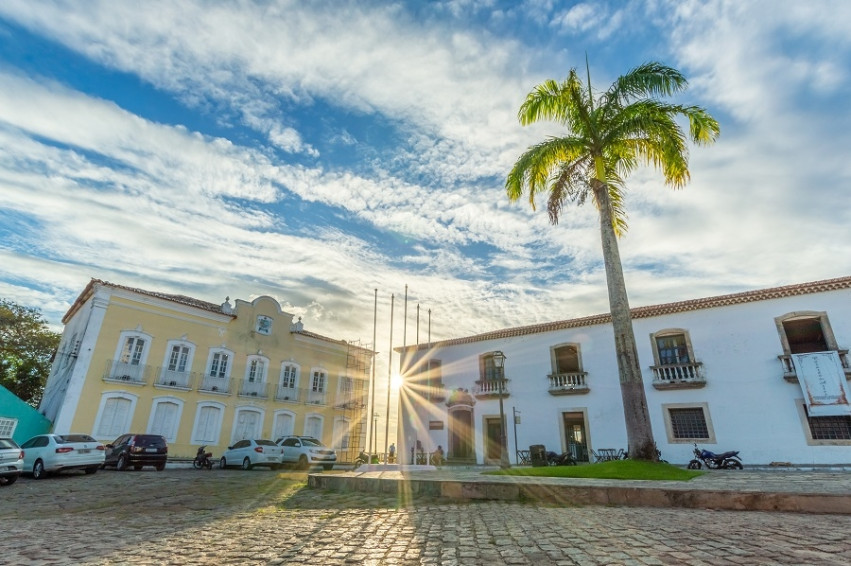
point(607, 138)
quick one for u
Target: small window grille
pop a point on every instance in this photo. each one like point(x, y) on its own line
point(688, 423)
point(830, 428)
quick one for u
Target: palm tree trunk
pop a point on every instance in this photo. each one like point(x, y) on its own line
point(639, 431)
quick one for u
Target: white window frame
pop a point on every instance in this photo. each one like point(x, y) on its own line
point(279, 414)
point(296, 373)
point(172, 437)
point(342, 441)
point(7, 427)
point(251, 365)
point(209, 367)
point(134, 335)
point(220, 407)
point(320, 375)
point(247, 409)
point(311, 418)
point(105, 397)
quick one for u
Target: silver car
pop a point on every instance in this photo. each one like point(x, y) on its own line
point(49, 453)
point(11, 461)
point(252, 452)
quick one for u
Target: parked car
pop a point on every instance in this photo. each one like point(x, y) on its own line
point(11, 461)
point(304, 451)
point(252, 452)
point(49, 453)
point(137, 450)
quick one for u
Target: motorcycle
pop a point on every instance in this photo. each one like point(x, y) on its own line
point(563, 459)
point(726, 460)
point(363, 458)
point(203, 459)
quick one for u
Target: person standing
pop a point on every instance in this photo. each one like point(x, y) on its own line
point(392, 455)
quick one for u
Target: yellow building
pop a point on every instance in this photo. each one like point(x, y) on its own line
point(198, 373)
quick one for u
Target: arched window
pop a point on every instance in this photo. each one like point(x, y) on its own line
point(114, 415)
point(165, 417)
point(208, 423)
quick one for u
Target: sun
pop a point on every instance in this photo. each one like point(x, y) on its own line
point(396, 381)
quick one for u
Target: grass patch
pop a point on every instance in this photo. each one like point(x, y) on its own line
point(614, 470)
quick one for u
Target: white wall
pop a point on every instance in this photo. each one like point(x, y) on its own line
point(751, 407)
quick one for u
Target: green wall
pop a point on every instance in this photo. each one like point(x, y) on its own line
point(30, 421)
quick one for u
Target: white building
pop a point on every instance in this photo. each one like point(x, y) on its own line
point(719, 372)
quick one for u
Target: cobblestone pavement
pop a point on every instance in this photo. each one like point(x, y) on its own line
point(184, 516)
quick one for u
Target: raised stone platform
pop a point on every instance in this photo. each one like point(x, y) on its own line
point(793, 491)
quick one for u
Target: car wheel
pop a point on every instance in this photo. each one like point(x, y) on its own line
point(38, 470)
point(8, 480)
point(90, 471)
point(223, 463)
point(160, 467)
point(121, 465)
point(246, 464)
point(302, 462)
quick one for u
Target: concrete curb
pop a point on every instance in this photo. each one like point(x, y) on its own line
point(629, 495)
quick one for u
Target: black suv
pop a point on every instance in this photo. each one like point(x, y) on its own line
point(137, 450)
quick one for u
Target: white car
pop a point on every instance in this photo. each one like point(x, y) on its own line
point(250, 453)
point(49, 453)
point(11, 461)
point(306, 451)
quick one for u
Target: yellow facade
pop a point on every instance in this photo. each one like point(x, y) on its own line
point(203, 374)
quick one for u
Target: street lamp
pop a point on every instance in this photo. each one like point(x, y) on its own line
point(499, 366)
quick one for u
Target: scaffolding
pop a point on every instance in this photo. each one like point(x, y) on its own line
point(354, 403)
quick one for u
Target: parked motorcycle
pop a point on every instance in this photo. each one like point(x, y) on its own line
point(363, 458)
point(203, 459)
point(726, 460)
point(563, 459)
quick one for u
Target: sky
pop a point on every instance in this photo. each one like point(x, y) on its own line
point(318, 151)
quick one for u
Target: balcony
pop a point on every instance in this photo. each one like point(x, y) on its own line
point(569, 383)
point(127, 372)
point(288, 394)
point(489, 389)
point(177, 379)
point(248, 388)
point(349, 400)
point(218, 385)
point(316, 397)
point(678, 376)
point(436, 393)
point(789, 373)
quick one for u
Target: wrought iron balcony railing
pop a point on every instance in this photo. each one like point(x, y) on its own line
point(136, 374)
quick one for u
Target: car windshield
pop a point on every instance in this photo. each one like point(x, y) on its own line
point(7, 443)
point(311, 442)
point(66, 438)
point(265, 443)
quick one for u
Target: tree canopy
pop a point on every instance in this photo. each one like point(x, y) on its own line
point(27, 346)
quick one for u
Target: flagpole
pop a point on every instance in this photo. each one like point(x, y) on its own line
point(371, 425)
point(389, 381)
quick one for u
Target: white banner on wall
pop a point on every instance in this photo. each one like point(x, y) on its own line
point(823, 383)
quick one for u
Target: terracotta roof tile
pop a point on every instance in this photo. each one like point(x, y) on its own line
point(655, 310)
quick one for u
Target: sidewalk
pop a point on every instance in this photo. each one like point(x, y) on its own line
point(801, 491)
